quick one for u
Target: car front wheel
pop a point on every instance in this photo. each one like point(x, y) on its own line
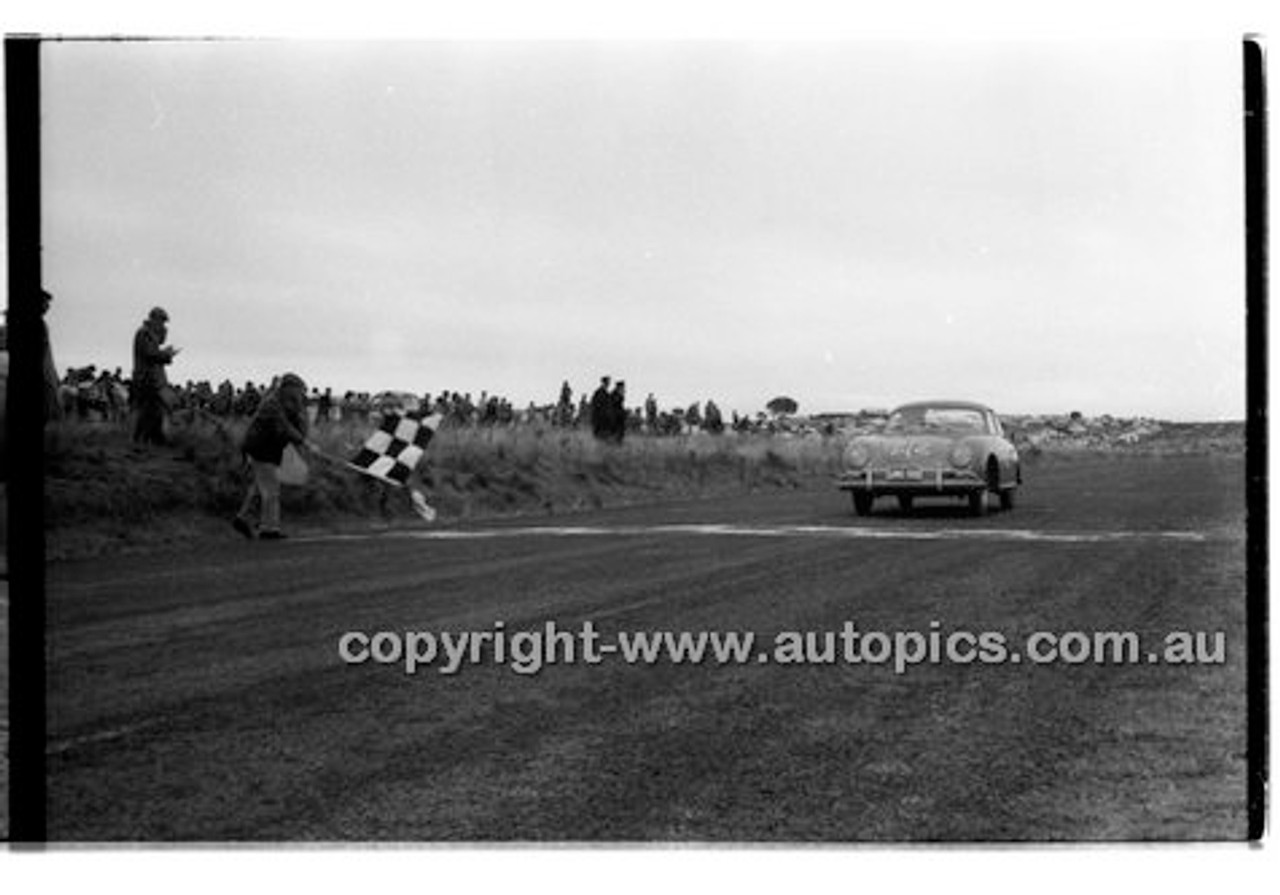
point(978, 502)
point(862, 503)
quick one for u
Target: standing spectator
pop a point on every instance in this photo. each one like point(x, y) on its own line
point(693, 416)
point(224, 401)
point(150, 382)
point(564, 407)
point(618, 412)
point(601, 404)
point(52, 390)
point(249, 400)
point(324, 411)
point(651, 413)
point(280, 420)
point(713, 422)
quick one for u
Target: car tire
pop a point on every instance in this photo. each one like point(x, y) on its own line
point(904, 502)
point(862, 503)
point(978, 503)
point(982, 505)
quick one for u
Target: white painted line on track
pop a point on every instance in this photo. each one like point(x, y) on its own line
point(776, 531)
point(60, 746)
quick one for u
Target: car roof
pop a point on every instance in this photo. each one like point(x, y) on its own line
point(945, 405)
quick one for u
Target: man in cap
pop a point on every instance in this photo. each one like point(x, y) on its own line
point(150, 382)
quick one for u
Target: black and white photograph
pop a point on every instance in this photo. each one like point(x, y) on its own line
point(708, 442)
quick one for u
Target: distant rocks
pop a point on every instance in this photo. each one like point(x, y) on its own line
point(1075, 432)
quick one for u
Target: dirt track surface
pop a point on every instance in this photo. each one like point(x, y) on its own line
point(200, 695)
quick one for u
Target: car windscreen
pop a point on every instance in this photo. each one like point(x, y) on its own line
point(950, 420)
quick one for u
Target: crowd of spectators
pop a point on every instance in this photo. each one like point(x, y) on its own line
point(90, 393)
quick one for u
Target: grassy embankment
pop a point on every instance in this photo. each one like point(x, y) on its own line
point(101, 493)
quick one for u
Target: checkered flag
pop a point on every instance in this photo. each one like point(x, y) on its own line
point(392, 452)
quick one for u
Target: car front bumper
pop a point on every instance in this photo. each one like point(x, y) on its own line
point(922, 482)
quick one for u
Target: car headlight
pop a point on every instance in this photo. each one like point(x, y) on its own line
point(856, 455)
point(961, 455)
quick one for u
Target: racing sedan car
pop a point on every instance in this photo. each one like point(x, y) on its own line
point(933, 449)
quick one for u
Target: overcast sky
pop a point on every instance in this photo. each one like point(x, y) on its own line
point(1043, 227)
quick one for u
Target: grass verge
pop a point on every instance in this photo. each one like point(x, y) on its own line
point(102, 493)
